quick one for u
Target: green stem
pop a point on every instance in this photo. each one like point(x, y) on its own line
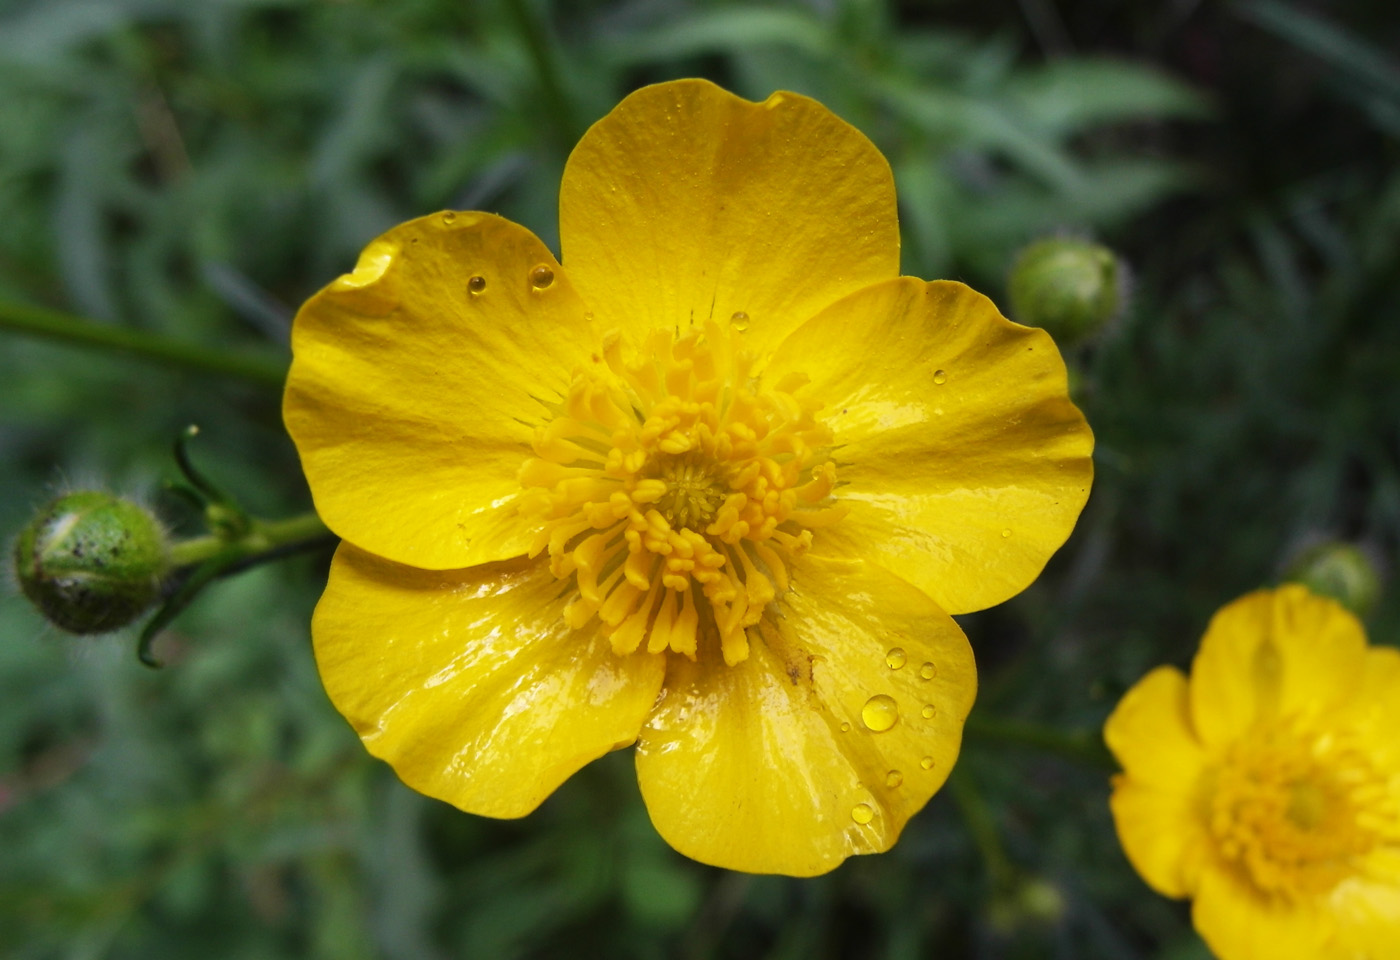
point(543, 53)
point(982, 827)
point(1081, 746)
point(41, 322)
point(263, 536)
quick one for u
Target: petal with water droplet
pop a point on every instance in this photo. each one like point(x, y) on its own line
point(412, 402)
point(469, 683)
point(757, 766)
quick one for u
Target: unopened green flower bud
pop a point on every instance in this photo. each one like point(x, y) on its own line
point(1341, 571)
point(92, 562)
point(1070, 287)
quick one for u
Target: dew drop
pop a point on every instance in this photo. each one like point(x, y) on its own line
point(845, 728)
point(541, 277)
point(862, 813)
point(448, 217)
point(894, 778)
point(476, 284)
point(928, 671)
point(926, 763)
point(928, 711)
point(740, 320)
point(940, 377)
point(895, 658)
point(1006, 533)
point(880, 712)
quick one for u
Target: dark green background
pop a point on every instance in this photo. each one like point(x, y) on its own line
point(197, 169)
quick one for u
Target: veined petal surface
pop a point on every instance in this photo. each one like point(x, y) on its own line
point(469, 683)
point(1274, 653)
point(961, 458)
point(414, 388)
point(687, 203)
point(844, 719)
point(1156, 802)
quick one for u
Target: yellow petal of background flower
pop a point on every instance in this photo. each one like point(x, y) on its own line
point(771, 766)
point(469, 683)
point(1367, 908)
point(1239, 924)
point(1155, 801)
point(1279, 652)
point(411, 398)
point(963, 461)
point(687, 202)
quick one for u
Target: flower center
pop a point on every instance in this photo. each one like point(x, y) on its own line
point(675, 491)
point(1296, 812)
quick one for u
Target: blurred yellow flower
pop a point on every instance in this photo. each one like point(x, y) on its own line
point(1267, 785)
point(713, 487)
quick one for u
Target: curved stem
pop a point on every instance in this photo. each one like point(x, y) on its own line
point(982, 826)
point(1082, 746)
point(42, 322)
point(264, 537)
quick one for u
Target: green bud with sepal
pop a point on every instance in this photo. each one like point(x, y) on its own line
point(1068, 286)
point(92, 562)
point(1341, 571)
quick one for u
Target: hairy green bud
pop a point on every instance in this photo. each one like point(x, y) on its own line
point(92, 562)
point(1070, 287)
point(1341, 571)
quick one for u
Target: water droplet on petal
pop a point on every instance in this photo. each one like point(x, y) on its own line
point(880, 713)
point(1006, 533)
point(895, 658)
point(926, 763)
point(928, 711)
point(845, 728)
point(940, 377)
point(928, 671)
point(541, 277)
point(448, 217)
point(894, 778)
point(862, 813)
point(588, 317)
point(476, 284)
point(740, 320)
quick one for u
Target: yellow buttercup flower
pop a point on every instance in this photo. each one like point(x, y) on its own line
point(712, 487)
point(1267, 785)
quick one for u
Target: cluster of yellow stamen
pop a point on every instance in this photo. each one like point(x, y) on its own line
point(676, 490)
point(1296, 811)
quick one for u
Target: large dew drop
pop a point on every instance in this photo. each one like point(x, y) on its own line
point(895, 658)
point(880, 713)
point(541, 276)
point(862, 813)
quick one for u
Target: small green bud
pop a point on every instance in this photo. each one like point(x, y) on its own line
point(1341, 571)
point(1070, 287)
point(92, 562)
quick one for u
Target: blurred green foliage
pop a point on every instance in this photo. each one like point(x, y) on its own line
point(197, 169)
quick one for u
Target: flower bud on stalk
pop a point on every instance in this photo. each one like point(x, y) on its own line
point(1070, 287)
point(1341, 571)
point(92, 562)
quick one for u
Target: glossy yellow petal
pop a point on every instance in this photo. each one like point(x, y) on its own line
point(469, 683)
point(844, 719)
point(1367, 908)
point(414, 389)
point(1374, 712)
point(1274, 653)
point(1239, 924)
point(687, 203)
point(1156, 801)
point(961, 458)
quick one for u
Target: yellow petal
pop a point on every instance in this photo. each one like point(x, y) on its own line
point(1274, 653)
point(775, 765)
point(1367, 908)
point(469, 683)
point(1239, 924)
point(687, 203)
point(1155, 800)
point(412, 399)
point(960, 455)
point(1374, 713)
